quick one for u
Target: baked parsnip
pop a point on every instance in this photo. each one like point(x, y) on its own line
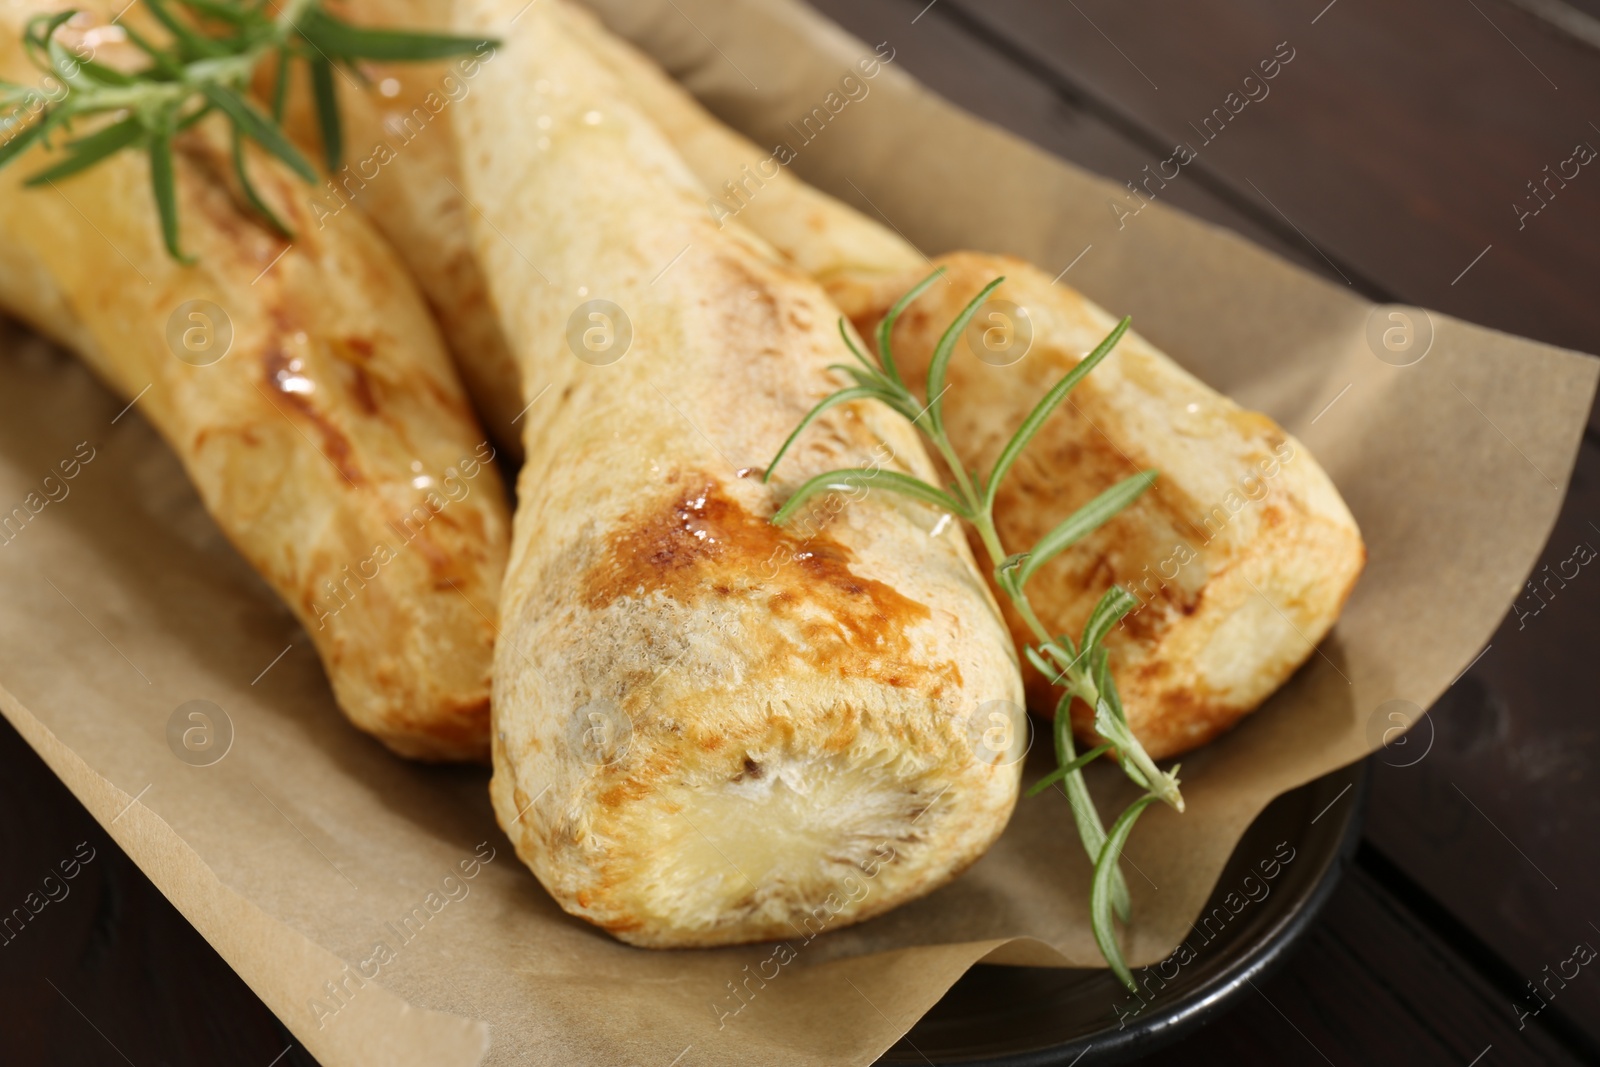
point(1240, 556)
point(708, 729)
point(307, 394)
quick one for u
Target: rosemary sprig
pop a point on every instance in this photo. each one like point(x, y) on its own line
point(205, 66)
point(1080, 668)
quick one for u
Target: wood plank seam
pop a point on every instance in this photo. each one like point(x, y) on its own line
point(1505, 979)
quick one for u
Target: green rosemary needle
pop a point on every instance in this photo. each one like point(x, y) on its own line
point(1081, 668)
point(205, 66)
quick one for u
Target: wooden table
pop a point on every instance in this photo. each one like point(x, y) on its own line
point(1394, 156)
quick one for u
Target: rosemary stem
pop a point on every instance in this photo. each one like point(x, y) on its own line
point(226, 70)
point(979, 516)
point(1025, 609)
point(236, 70)
point(292, 11)
point(1075, 677)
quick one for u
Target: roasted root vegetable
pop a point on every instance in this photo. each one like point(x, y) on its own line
point(708, 729)
point(303, 386)
point(1240, 556)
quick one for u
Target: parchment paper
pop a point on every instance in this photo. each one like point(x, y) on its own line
point(306, 847)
